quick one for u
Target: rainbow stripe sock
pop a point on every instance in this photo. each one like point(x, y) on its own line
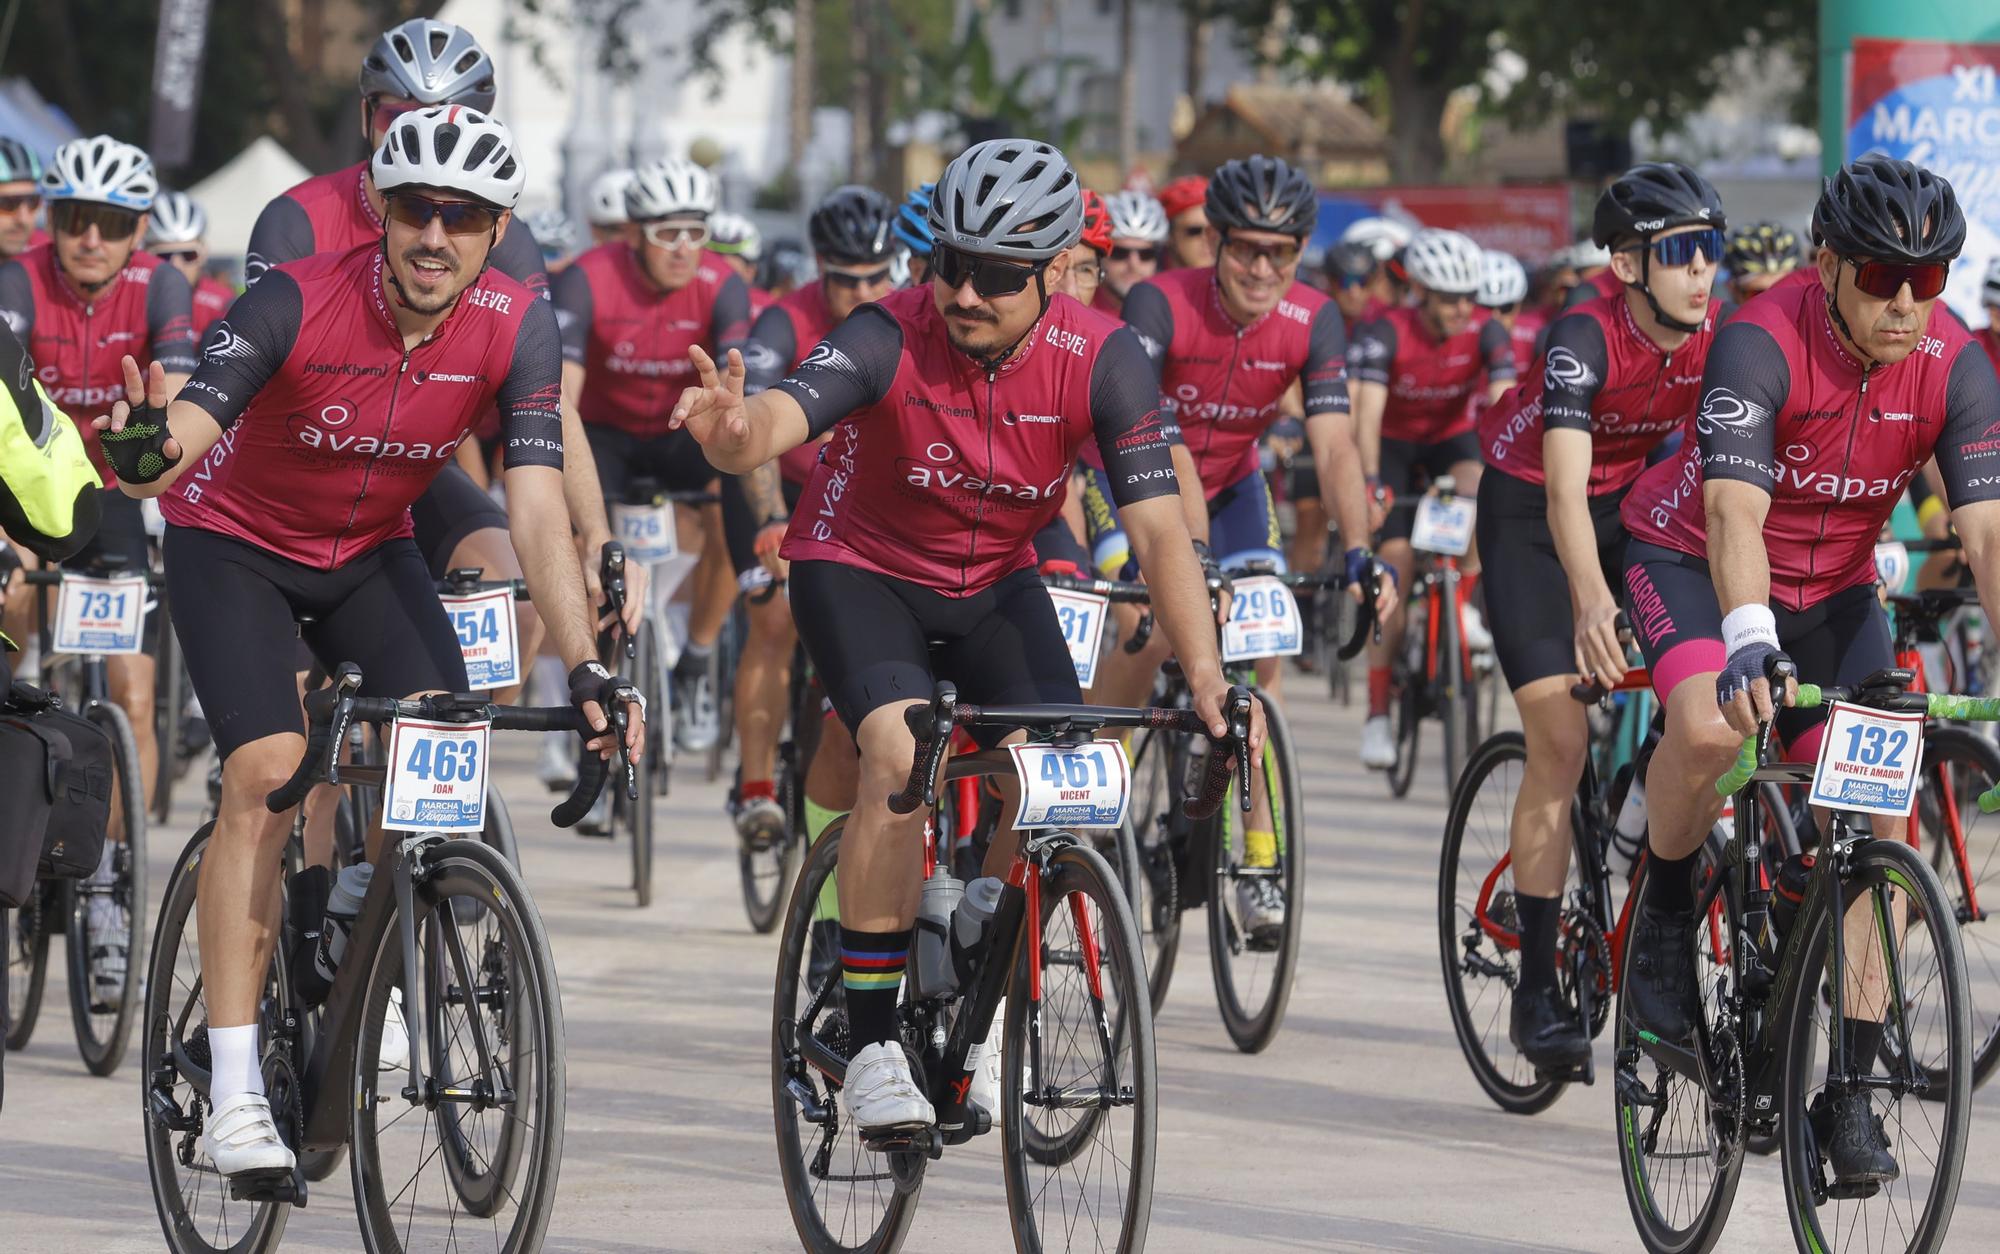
point(871, 972)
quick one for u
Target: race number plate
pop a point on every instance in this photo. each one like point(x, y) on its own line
point(1892, 565)
point(1443, 526)
point(437, 777)
point(1868, 761)
point(1263, 621)
point(646, 531)
point(1072, 785)
point(100, 615)
point(1081, 617)
point(486, 636)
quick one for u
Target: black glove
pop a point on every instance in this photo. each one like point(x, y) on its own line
point(139, 452)
point(1745, 667)
point(590, 681)
point(1362, 568)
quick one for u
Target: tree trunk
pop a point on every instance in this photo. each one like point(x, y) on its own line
point(1197, 15)
point(292, 85)
point(1416, 143)
point(1128, 91)
point(804, 25)
point(861, 129)
point(876, 83)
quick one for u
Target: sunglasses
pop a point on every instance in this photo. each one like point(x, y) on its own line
point(1190, 232)
point(856, 278)
point(1884, 279)
point(1346, 281)
point(1135, 254)
point(675, 234)
point(383, 111)
point(74, 217)
point(989, 278)
point(189, 255)
point(29, 201)
point(1246, 254)
point(1679, 250)
point(1086, 271)
point(460, 217)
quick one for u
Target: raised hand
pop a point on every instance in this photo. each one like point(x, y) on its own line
point(712, 410)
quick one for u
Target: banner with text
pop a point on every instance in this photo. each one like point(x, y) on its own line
point(177, 57)
point(1530, 220)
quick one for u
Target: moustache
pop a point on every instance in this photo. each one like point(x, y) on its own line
point(974, 315)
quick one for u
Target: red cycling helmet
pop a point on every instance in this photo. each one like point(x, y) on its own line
point(1096, 223)
point(1183, 194)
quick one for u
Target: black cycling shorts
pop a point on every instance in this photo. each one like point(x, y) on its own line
point(234, 610)
point(1527, 590)
point(674, 461)
point(875, 640)
point(452, 508)
point(1400, 461)
point(1670, 600)
point(739, 525)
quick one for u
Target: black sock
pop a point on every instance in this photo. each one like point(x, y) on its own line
point(1671, 890)
point(1539, 917)
point(1861, 1041)
point(872, 973)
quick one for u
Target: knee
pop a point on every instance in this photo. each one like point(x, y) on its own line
point(1557, 752)
point(1706, 743)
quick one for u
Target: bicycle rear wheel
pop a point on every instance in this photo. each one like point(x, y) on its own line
point(842, 1196)
point(110, 914)
point(491, 1117)
point(27, 938)
point(1409, 727)
point(1911, 960)
point(765, 874)
point(1963, 847)
point(1156, 904)
point(1254, 967)
point(1093, 1099)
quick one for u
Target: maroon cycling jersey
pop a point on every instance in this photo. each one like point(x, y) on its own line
point(79, 346)
point(1786, 407)
point(1599, 373)
point(1223, 380)
point(632, 339)
point(212, 299)
point(331, 428)
point(331, 214)
point(1530, 328)
point(779, 340)
point(1989, 340)
point(940, 472)
point(1431, 382)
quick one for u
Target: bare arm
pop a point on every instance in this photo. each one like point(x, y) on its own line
point(1978, 526)
point(538, 521)
point(1370, 401)
point(1194, 505)
point(1737, 559)
point(581, 490)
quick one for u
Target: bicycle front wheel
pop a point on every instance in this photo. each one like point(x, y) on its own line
point(1252, 948)
point(107, 917)
point(637, 816)
point(1156, 904)
point(1963, 847)
point(473, 1158)
point(27, 937)
point(1078, 1104)
point(1906, 970)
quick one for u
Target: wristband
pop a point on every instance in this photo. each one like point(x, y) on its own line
point(1749, 624)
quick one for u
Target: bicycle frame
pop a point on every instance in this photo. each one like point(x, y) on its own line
point(1912, 623)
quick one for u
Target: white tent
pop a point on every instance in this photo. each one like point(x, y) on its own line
point(238, 192)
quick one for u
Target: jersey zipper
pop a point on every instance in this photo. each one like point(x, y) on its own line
point(1847, 459)
point(1653, 393)
point(979, 510)
point(1221, 405)
point(354, 511)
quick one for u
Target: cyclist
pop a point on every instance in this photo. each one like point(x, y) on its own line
point(1416, 370)
point(1138, 233)
point(91, 286)
point(1589, 265)
point(1820, 401)
point(606, 214)
point(910, 550)
point(913, 229)
point(736, 240)
point(1618, 374)
point(284, 517)
point(629, 311)
point(1989, 335)
point(554, 234)
point(174, 230)
point(852, 237)
point(1503, 287)
point(1758, 256)
point(20, 198)
point(1085, 275)
point(1356, 281)
point(1184, 200)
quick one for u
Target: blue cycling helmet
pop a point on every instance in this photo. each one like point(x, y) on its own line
point(912, 222)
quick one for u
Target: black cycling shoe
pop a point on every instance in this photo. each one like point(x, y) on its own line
point(1854, 1143)
point(1660, 983)
point(1543, 1027)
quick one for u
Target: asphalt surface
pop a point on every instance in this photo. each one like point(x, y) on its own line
point(1360, 1129)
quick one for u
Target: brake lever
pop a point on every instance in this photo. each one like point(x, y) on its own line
point(621, 720)
point(1239, 732)
point(345, 685)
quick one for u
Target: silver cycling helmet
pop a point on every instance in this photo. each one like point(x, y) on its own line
point(430, 62)
point(176, 219)
point(1135, 215)
point(1016, 199)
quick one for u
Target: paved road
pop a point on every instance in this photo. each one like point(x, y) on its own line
point(1359, 1130)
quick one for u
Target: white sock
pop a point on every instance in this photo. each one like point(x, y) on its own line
point(233, 1063)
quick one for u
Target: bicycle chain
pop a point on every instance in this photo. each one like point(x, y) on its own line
point(1584, 946)
point(1730, 1079)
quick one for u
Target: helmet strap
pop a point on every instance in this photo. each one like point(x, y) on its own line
point(1646, 289)
point(1840, 321)
point(992, 362)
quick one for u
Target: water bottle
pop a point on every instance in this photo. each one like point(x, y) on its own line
point(969, 923)
point(932, 974)
point(343, 907)
point(1789, 893)
point(1628, 831)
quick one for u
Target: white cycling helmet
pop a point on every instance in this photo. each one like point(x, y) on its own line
point(1990, 293)
point(671, 186)
point(176, 219)
point(1385, 237)
point(607, 198)
point(104, 171)
point(1502, 281)
point(1445, 261)
point(552, 231)
point(1135, 215)
point(734, 235)
point(451, 148)
point(1583, 255)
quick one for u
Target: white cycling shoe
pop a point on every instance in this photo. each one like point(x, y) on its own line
point(984, 1060)
point(879, 1094)
point(1477, 638)
point(1260, 906)
point(241, 1136)
point(395, 1052)
point(1378, 744)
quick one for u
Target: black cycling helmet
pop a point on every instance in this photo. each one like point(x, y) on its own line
point(18, 162)
point(1353, 261)
point(1889, 209)
point(853, 223)
point(1764, 248)
point(1653, 197)
point(1262, 194)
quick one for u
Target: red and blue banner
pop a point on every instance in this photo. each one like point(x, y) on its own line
point(1530, 220)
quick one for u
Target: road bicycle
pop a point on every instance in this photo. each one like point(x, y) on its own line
point(461, 1144)
point(1078, 1088)
point(1434, 674)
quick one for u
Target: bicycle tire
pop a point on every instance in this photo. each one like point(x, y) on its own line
point(1899, 867)
point(1974, 766)
point(173, 948)
point(1409, 727)
point(1051, 1191)
point(171, 698)
point(28, 960)
point(805, 953)
point(637, 816)
point(1159, 918)
point(721, 674)
point(1253, 1027)
point(1453, 689)
point(530, 1153)
point(763, 908)
point(102, 1036)
point(498, 832)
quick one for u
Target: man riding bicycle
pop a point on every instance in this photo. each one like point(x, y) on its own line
point(1758, 256)
point(1820, 401)
point(956, 412)
point(175, 231)
point(331, 396)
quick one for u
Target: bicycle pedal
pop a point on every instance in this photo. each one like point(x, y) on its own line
point(905, 1138)
point(277, 1184)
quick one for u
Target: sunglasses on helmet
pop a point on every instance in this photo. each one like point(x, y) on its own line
point(460, 217)
point(75, 217)
point(1679, 250)
point(1884, 279)
point(989, 277)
